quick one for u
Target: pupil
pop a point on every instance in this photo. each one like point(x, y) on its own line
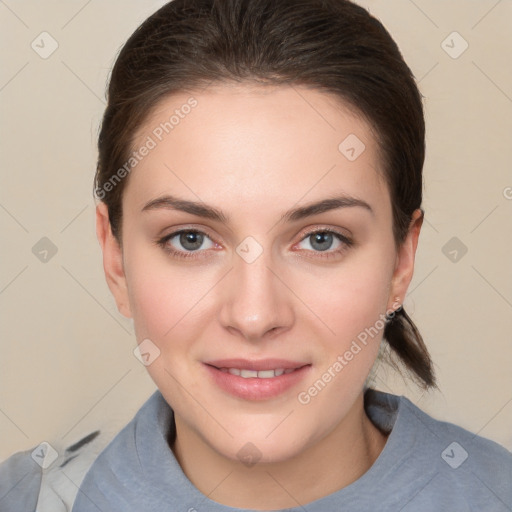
point(191, 240)
point(322, 240)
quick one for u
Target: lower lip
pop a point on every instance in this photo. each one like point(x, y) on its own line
point(255, 388)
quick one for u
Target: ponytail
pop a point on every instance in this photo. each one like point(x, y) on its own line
point(405, 340)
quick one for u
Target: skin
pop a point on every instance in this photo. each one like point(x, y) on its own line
point(255, 152)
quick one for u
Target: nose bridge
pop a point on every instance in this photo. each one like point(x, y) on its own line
point(255, 301)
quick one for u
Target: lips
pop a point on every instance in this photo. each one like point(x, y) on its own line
point(256, 380)
point(261, 374)
point(263, 364)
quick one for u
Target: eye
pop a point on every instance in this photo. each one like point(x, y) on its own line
point(192, 243)
point(186, 242)
point(326, 241)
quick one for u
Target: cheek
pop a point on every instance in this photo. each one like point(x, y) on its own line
point(349, 299)
point(362, 299)
point(168, 305)
point(341, 301)
point(163, 297)
point(353, 307)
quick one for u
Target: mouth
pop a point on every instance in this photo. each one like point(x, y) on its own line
point(256, 380)
point(262, 374)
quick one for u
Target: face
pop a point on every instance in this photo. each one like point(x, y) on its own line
point(258, 258)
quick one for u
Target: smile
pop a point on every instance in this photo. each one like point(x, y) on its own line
point(253, 374)
point(256, 380)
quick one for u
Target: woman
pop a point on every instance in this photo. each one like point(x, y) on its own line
point(260, 185)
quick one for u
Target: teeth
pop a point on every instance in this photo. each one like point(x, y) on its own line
point(266, 374)
point(248, 373)
point(262, 374)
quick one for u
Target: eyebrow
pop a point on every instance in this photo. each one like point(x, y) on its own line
point(201, 209)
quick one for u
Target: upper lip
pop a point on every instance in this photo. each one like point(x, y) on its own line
point(261, 364)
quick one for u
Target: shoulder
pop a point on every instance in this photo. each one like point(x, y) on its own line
point(122, 449)
point(464, 467)
point(49, 476)
point(116, 479)
point(20, 482)
point(477, 448)
point(46, 477)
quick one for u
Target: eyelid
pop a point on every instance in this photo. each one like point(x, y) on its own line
point(203, 230)
point(176, 230)
point(345, 241)
point(324, 228)
point(163, 241)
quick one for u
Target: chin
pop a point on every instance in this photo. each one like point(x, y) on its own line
point(273, 441)
point(261, 451)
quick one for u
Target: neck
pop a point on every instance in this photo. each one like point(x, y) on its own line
point(335, 461)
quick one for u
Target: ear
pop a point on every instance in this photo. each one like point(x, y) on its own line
point(112, 260)
point(404, 266)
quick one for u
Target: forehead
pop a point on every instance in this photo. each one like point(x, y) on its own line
point(255, 145)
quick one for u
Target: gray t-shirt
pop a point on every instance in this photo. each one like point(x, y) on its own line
point(426, 465)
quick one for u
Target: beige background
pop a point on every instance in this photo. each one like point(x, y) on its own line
point(67, 365)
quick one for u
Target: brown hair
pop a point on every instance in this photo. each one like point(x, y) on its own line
point(334, 46)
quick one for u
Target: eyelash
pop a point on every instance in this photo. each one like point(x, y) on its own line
point(162, 242)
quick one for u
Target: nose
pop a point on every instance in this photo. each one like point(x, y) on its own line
point(256, 301)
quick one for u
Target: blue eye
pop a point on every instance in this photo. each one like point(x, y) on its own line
point(323, 240)
point(192, 243)
point(190, 240)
